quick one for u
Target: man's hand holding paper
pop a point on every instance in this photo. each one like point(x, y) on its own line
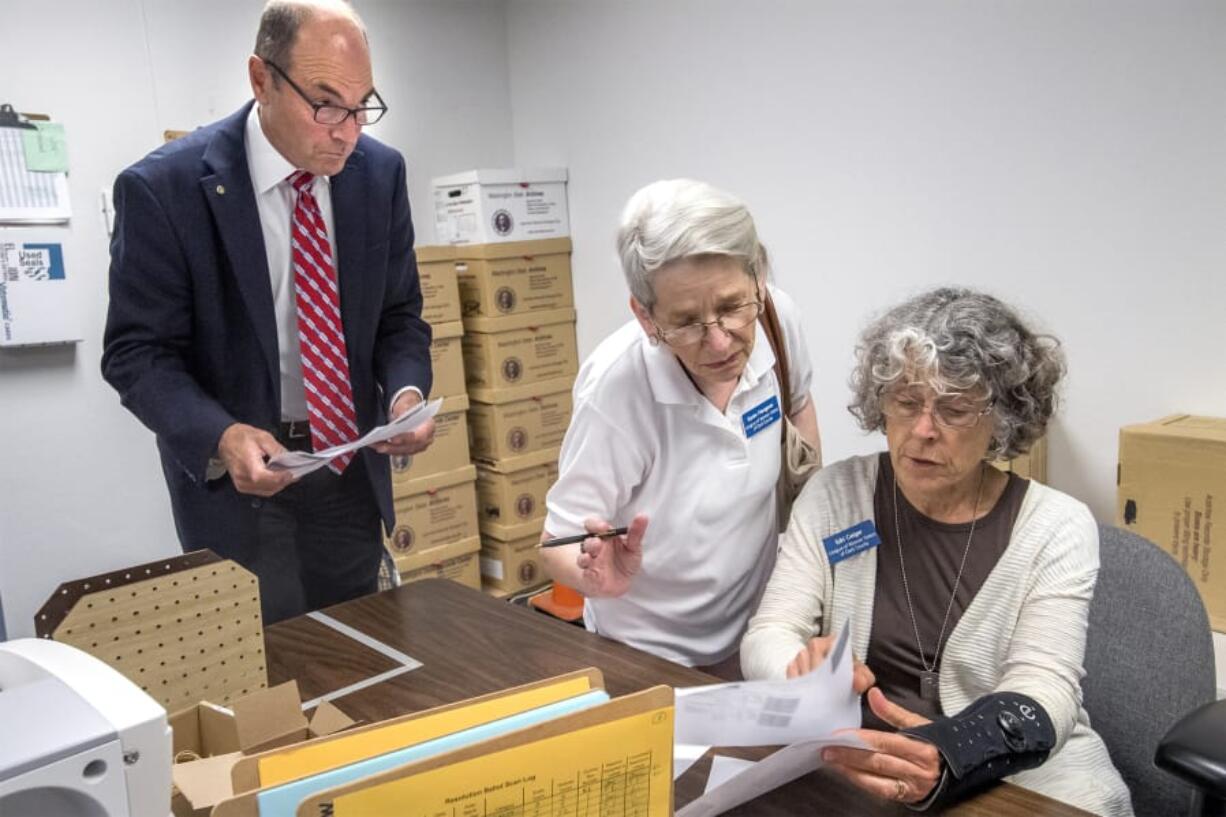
point(301, 463)
point(409, 442)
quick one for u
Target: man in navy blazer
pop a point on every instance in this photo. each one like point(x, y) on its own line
point(203, 334)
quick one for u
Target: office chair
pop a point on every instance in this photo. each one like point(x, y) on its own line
point(1195, 750)
point(1149, 662)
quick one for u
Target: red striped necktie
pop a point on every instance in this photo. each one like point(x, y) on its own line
point(321, 337)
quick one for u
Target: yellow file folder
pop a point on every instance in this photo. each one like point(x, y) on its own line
point(302, 760)
point(613, 759)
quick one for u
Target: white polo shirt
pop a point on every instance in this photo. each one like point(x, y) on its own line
point(643, 439)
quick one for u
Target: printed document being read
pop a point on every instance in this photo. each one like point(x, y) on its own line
point(301, 463)
point(804, 714)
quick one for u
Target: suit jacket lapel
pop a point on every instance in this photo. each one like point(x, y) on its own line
point(231, 198)
point(349, 220)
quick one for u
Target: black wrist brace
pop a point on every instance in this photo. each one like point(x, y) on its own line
point(996, 736)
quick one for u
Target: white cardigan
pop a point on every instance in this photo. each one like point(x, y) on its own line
point(1024, 631)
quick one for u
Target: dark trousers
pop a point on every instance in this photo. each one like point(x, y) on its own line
point(320, 543)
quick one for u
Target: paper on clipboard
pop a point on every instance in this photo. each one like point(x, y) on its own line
point(301, 463)
point(26, 196)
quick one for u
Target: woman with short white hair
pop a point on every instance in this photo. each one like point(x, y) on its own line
point(676, 433)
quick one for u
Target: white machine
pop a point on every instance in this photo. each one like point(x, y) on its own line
point(77, 739)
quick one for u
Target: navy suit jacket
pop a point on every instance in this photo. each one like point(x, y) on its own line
point(191, 338)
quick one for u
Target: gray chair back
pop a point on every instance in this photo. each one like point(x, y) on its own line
point(1149, 661)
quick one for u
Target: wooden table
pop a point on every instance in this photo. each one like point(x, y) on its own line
point(470, 644)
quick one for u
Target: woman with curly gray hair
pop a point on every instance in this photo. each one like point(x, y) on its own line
point(966, 588)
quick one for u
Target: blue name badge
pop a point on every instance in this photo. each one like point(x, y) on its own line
point(761, 416)
point(849, 542)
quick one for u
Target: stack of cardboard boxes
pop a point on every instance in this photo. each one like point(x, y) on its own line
point(520, 359)
point(512, 263)
point(435, 495)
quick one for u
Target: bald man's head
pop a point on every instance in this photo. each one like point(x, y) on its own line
point(282, 20)
point(312, 56)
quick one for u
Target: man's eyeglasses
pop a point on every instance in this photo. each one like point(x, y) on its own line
point(949, 411)
point(729, 320)
point(328, 114)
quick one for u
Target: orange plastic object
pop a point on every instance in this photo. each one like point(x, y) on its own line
point(560, 602)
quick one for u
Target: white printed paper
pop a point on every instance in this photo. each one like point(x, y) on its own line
point(40, 302)
point(809, 713)
point(723, 769)
point(772, 713)
point(770, 773)
point(301, 463)
point(28, 197)
point(686, 755)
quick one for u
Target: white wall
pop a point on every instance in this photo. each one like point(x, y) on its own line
point(81, 489)
point(1068, 157)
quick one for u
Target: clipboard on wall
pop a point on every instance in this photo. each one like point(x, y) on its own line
point(39, 301)
point(33, 170)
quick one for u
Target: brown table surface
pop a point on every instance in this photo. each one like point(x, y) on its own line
point(470, 644)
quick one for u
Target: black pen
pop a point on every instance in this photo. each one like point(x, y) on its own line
point(574, 540)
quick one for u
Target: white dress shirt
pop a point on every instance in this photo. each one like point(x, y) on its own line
point(275, 199)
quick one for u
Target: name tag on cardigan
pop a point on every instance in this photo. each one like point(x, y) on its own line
point(847, 543)
point(761, 416)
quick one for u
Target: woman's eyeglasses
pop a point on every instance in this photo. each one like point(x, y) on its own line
point(949, 411)
point(729, 320)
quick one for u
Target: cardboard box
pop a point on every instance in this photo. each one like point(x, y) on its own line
point(512, 491)
point(434, 510)
point(520, 349)
point(487, 206)
point(457, 561)
point(210, 739)
point(515, 278)
point(440, 291)
point(1170, 473)
point(447, 360)
point(449, 450)
point(1031, 465)
point(511, 556)
point(507, 423)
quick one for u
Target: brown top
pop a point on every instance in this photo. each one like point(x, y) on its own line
point(933, 551)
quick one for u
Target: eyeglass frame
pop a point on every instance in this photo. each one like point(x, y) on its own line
point(938, 417)
point(662, 334)
point(316, 107)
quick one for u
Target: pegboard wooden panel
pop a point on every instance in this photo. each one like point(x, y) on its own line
point(184, 629)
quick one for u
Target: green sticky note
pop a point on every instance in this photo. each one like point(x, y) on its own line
point(46, 148)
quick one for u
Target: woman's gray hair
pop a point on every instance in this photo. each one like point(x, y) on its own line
point(959, 341)
point(280, 21)
point(673, 219)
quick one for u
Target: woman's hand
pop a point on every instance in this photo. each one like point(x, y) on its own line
point(898, 767)
point(814, 654)
point(609, 564)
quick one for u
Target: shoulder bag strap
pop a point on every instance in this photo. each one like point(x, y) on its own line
point(774, 335)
